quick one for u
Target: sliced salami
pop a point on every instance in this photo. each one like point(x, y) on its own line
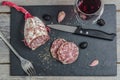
point(55, 46)
point(68, 53)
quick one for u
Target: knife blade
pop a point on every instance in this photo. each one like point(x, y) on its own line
point(84, 32)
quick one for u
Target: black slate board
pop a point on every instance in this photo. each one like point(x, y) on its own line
point(45, 65)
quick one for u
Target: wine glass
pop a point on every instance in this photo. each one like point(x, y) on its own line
point(88, 10)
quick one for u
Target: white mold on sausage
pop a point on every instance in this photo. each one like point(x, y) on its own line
point(35, 33)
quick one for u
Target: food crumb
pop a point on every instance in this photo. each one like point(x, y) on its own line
point(45, 58)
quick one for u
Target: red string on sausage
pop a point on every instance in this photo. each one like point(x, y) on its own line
point(18, 8)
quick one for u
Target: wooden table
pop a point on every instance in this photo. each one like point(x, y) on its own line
point(4, 51)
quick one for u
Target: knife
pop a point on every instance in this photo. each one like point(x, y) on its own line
point(84, 32)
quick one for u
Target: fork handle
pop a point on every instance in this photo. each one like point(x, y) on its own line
point(10, 46)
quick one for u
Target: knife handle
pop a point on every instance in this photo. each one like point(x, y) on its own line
point(95, 33)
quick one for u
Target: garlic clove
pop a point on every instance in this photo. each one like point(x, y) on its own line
point(61, 16)
point(94, 63)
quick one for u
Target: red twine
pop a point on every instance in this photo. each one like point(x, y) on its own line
point(25, 42)
point(18, 8)
point(48, 29)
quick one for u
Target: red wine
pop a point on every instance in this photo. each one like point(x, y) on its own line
point(89, 6)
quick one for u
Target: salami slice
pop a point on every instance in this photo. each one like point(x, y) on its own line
point(68, 53)
point(55, 46)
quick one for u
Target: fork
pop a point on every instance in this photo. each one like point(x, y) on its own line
point(26, 65)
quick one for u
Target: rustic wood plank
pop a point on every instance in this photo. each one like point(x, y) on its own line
point(4, 57)
point(4, 75)
point(118, 36)
point(118, 18)
point(4, 24)
point(4, 28)
point(52, 2)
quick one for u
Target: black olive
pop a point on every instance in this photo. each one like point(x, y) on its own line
point(47, 17)
point(83, 45)
point(101, 22)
